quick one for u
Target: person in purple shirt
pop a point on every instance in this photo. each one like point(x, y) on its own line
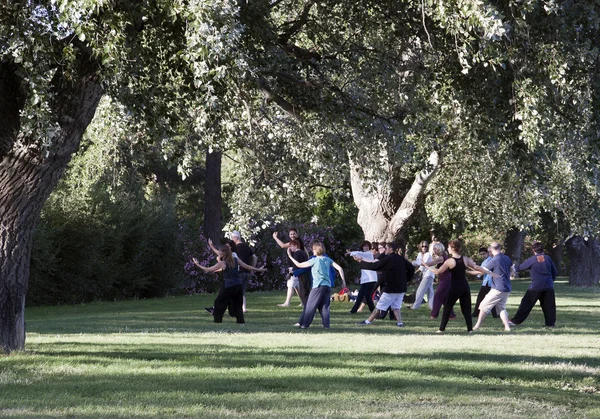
point(543, 273)
point(501, 267)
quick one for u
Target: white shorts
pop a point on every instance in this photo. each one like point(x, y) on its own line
point(492, 299)
point(293, 282)
point(390, 300)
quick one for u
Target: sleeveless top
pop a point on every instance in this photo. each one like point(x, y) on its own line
point(231, 276)
point(458, 272)
point(446, 275)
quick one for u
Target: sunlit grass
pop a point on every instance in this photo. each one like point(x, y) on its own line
point(165, 357)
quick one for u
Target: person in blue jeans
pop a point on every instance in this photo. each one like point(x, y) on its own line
point(320, 294)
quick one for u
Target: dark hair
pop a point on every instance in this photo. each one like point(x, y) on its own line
point(483, 250)
point(230, 243)
point(295, 243)
point(537, 247)
point(227, 256)
point(365, 243)
point(393, 245)
point(293, 229)
point(455, 244)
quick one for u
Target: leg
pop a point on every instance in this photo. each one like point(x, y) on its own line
point(236, 297)
point(527, 303)
point(423, 287)
point(465, 307)
point(359, 298)
point(220, 305)
point(324, 304)
point(430, 294)
point(244, 276)
point(504, 318)
point(290, 293)
point(451, 299)
point(311, 306)
point(369, 295)
point(548, 304)
point(483, 291)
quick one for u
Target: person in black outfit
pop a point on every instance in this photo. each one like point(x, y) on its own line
point(232, 283)
point(395, 271)
point(459, 287)
point(246, 255)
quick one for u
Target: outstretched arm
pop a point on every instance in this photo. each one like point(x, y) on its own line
point(215, 268)
point(279, 242)
point(250, 268)
point(212, 246)
point(477, 268)
point(306, 264)
point(442, 268)
point(341, 272)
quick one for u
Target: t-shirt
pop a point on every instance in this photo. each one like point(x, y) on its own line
point(500, 264)
point(543, 271)
point(245, 253)
point(320, 271)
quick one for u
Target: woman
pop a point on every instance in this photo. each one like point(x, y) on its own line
point(459, 287)
point(426, 284)
point(319, 297)
point(292, 281)
point(368, 279)
point(231, 292)
point(441, 292)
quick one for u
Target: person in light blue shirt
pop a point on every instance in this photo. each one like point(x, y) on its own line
point(486, 284)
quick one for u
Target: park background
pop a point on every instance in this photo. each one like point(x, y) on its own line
point(132, 133)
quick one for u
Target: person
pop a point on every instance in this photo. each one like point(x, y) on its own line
point(216, 251)
point(292, 281)
point(427, 278)
point(440, 256)
point(486, 284)
point(368, 279)
point(501, 267)
point(459, 287)
point(395, 271)
point(320, 294)
point(300, 281)
point(246, 255)
point(543, 274)
point(232, 283)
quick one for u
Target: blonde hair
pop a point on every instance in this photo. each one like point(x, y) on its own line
point(318, 249)
point(438, 248)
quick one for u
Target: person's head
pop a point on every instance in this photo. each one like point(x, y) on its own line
point(391, 247)
point(495, 248)
point(293, 233)
point(483, 252)
point(236, 236)
point(318, 249)
point(365, 246)
point(455, 247)
point(375, 247)
point(423, 246)
point(226, 255)
point(381, 247)
point(537, 247)
point(294, 245)
point(438, 249)
point(230, 243)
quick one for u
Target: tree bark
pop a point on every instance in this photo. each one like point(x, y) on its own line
point(212, 196)
point(513, 245)
point(584, 258)
point(27, 178)
point(380, 218)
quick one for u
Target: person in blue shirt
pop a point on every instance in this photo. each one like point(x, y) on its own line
point(486, 284)
point(319, 297)
point(543, 273)
point(501, 267)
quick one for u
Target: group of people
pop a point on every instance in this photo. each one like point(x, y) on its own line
point(382, 267)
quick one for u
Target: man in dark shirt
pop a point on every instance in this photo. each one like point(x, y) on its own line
point(246, 255)
point(543, 273)
point(395, 272)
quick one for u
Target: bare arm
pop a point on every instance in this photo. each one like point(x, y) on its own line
point(215, 268)
point(435, 261)
point(442, 268)
point(254, 260)
point(298, 264)
point(213, 248)
point(279, 242)
point(479, 269)
point(250, 268)
point(341, 272)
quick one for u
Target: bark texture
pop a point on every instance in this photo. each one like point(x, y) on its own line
point(513, 245)
point(382, 214)
point(584, 258)
point(212, 196)
point(27, 177)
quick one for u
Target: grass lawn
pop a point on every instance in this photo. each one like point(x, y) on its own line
point(165, 358)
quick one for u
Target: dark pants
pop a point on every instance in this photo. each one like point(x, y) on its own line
point(233, 295)
point(547, 302)
point(244, 276)
point(439, 297)
point(459, 291)
point(366, 291)
point(319, 298)
point(304, 284)
point(482, 293)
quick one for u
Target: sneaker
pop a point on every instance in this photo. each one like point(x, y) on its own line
point(352, 312)
point(364, 322)
point(297, 325)
point(400, 324)
point(211, 310)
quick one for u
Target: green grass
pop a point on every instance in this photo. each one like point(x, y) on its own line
point(165, 358)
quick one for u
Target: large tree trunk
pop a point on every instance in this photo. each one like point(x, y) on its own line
point(379, 214)
point(513, 245)
point(584, 258)
point(27, 178)
point(212, 196)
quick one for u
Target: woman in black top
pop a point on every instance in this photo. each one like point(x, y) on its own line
point(231, 291)
point(459, 287)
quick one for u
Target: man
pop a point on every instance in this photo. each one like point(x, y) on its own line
point(246, 255)
point(543, 274)
point(486, 284)
point(395, 271)
point(501, 267)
